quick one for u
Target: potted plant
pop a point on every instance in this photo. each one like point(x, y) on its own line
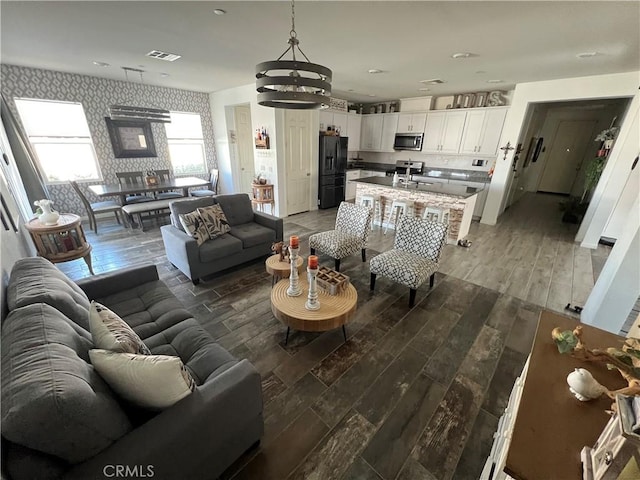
point(607, 136)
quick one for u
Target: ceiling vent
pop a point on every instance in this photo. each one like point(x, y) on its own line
point(432, 81)
point(168, 57)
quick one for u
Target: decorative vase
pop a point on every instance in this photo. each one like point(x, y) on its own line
point(48, 216)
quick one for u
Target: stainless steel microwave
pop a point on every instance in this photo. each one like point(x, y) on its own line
point(408, 141)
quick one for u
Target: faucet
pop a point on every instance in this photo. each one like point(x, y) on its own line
point(408, 174)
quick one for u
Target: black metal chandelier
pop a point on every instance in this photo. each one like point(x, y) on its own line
point(129, 112)
point(293, 83)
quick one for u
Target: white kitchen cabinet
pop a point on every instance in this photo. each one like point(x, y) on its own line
point(350, 191)
point(411, 122)
point(443, 132)
point(336, 120)
point(354, 127)
point(389, 127)
point(482, 131)
point(371, 134)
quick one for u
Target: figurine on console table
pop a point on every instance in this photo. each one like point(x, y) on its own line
point(626, 360)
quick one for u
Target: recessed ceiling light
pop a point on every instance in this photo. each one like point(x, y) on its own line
point(371, 95)
point(463, 55)
point(101, 64)
point(374, 70)
point(587, 54)
point(432, 81)
point(219, 11)
point(495, 81)
point(423, 89)
point(164, 75)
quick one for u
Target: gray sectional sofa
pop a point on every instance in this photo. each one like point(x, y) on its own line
point(251, 236)
point(60, 420)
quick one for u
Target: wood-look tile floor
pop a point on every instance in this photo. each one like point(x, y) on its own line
point(414, 393)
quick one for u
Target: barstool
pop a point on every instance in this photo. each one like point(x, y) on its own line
point(400, 207)
point(373, 202)
point(433, 214)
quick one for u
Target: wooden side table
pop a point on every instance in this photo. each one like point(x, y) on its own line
point(279, 270)
point(261, 196)
point(334, 311)
point(61, 242)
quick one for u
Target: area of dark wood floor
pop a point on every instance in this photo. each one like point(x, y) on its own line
point(413, 394)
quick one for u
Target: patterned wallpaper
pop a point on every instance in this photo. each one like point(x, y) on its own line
point(96, 94)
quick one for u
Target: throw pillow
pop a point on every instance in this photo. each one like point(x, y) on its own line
point(214, 220)
point(110, 332)
point(150, 381)
point(194, 226)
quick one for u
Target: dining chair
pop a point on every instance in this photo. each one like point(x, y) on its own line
point(414, 257)
point(133, 179)
point(353, 223)
point(164, 176)
point(97, 207)
point(213, 180)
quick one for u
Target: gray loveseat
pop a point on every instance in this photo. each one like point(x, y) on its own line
point(251, 236)
point(61, 420)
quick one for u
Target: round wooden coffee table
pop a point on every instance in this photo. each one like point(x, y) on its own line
point(279, 270)
point(334, 311)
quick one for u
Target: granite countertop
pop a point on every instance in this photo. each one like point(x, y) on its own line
point(376, 167)
point(444, 173)
point(455, 174)
point(459, 191)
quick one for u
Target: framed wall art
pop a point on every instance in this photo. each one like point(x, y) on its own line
point(131, 138)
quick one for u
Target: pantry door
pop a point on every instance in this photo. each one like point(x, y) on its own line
point(566, 155)
point(299, 158)
point(244, 147)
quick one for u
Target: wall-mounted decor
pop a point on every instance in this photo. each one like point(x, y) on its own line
point(130, 138)
point(262, 139)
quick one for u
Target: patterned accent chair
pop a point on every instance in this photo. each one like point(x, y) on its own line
point(353, 223)
point(414, 257)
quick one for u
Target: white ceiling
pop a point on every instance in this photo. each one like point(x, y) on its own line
point(515, 41)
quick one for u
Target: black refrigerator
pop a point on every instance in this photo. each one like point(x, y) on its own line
point(332, 170)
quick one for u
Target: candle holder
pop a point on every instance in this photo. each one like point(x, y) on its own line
point(312, 297)
point(294, 289)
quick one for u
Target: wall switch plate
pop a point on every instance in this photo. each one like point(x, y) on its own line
point(477, 162)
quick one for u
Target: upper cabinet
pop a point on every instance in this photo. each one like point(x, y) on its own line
point(411, 122)
point(389, 128)
point(443, 132)
point(353, 131)
point(336, 120)
point(371, 134)
point(482, 131)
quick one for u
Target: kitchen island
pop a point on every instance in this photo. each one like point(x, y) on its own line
point(459, 199)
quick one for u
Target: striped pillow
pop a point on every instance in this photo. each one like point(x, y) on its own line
point(149, 381)
point(110, 332)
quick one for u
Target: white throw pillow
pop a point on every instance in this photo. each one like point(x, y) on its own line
point(110, 332)
point(194, 226)
point(150, 381)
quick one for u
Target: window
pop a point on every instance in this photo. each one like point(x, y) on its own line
point(186, 145)
point(60, 137)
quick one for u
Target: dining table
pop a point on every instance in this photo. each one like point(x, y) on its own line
point(122, 190)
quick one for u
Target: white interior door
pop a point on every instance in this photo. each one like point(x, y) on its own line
point(565, 155)
point(298, 154)
point(244, 132)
